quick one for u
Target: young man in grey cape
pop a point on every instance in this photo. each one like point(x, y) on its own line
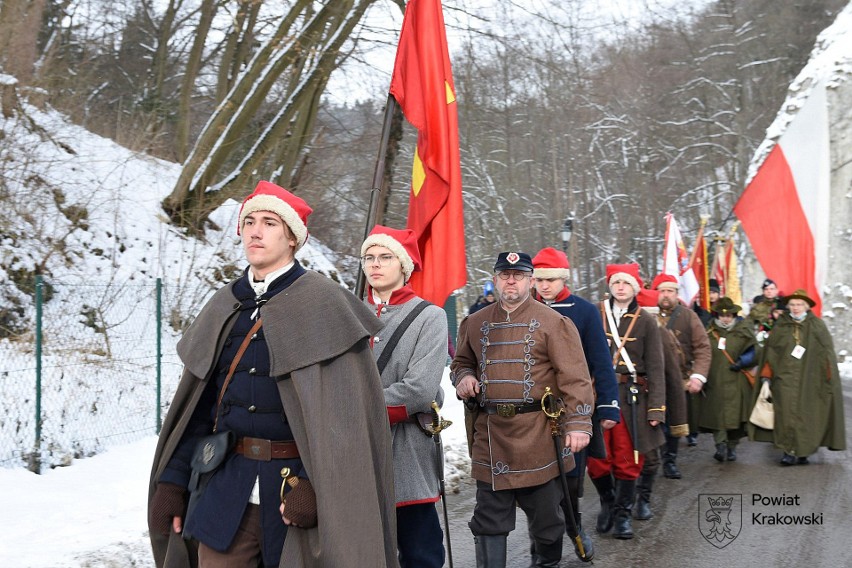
point(305, 402)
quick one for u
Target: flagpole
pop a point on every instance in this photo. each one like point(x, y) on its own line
point(374, 215)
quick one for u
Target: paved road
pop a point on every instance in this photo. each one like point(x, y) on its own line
point(821, 491)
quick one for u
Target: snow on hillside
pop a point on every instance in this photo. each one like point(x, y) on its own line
point(86, 213)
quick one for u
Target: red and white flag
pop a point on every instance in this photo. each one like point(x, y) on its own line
point(676, 262)
point(785, 208)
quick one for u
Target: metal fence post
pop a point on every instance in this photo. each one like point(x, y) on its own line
point(159, 350)
point(36, 456)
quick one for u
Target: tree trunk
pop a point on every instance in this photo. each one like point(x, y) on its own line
point(20, 23)
point(193, 65)
point(319, 42)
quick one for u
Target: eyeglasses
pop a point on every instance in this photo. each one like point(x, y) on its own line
point(516, 274)
point(382, 259)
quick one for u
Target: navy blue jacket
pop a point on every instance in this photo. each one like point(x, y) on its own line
point(586, 318)
point(252, 407)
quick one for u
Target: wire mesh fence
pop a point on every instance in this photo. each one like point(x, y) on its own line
point(87, 374)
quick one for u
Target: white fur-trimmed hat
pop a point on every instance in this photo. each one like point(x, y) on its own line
point(627, 272)
point(401, 242)
point(550, 263)
point(293, 210)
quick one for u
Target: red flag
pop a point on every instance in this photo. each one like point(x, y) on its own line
point(784, 209)
point(422, 84)
point(698, 261)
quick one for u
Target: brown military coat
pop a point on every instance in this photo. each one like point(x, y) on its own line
point(696, 352)
point(645, 349)
point(515, 357)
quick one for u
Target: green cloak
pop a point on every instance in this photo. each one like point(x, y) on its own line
point(728, 394)
point(806, 392)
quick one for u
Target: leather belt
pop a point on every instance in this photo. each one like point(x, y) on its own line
point(507, 410)
point(265, 450)
point(641, 381)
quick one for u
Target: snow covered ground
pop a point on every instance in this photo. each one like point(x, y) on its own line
point(93, 513)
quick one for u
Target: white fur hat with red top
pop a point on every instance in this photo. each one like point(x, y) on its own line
point(550, 263)
point(292, 209)
point(401, 242)
point(627, 272)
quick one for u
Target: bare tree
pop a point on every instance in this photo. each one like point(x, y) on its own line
point(306, 46)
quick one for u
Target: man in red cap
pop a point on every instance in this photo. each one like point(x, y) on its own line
point(411, 350)
point(515, 358)
point(277, 362)
point(637, 357)
point(695, 355)
point(662, 300)
point(550, 275)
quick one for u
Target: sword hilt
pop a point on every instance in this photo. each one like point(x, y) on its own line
point(438, 423)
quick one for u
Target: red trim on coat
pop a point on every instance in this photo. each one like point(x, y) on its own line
point(419, 502)
point(397, 413)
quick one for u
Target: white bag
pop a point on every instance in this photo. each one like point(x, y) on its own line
point(763, 413)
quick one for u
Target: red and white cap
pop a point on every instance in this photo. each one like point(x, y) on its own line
point(665, 282)
point(550, 263)
point(627, 272)
point(401, 242)
point(292, 209)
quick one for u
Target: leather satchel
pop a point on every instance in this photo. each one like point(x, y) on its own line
point(763, 413)
point(211, 450)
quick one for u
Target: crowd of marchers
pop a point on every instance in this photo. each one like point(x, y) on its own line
point(305, 432)
point(663, 372)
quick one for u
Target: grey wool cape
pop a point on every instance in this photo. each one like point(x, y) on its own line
point(318, 337)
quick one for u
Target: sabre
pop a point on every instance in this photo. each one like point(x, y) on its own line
point(633, 401)
point(548, 403)
point(434, 429)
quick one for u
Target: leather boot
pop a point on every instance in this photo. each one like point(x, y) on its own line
point(548, 555)
point(490, 550)
point(721, 451)
point(643, 512)
point(732, 452)
point(606, 490)
point(625, 491)
point(588, 546)
point(670, 469)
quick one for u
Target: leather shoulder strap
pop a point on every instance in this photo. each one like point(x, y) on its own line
point(398, 333)
point(233, 367)
point(673, 317)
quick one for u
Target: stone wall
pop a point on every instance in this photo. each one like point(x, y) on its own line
point(837, 295)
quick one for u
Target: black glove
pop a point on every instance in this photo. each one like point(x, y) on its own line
point(735, 367)
point(169, 501)
point(300, 505)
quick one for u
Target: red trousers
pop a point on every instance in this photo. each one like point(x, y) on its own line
point(619, 455)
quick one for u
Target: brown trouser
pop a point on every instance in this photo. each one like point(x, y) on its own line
point(244, 550)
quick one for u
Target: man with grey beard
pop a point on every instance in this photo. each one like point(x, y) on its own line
point(513, 358)
point(695, 349)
